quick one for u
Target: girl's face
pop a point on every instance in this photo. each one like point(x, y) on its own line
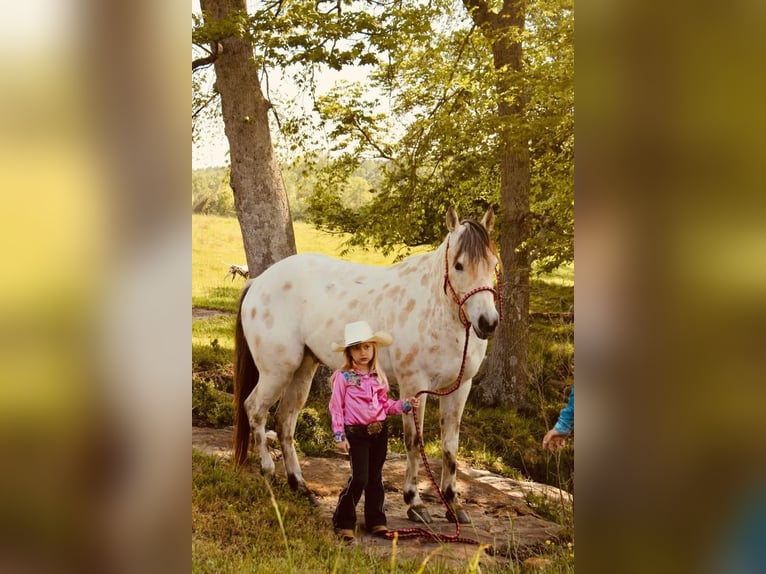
point(363, 354)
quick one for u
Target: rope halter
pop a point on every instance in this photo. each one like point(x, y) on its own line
point(461, 300)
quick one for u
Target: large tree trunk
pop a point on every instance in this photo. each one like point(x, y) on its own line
point(259, 192)
point(505, 375)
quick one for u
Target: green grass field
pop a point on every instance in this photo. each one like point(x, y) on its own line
point(217, 243)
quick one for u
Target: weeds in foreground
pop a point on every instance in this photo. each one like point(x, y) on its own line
point(243, 523)
point(281, 526)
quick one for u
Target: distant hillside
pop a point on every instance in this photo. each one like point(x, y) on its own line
point(212, 194)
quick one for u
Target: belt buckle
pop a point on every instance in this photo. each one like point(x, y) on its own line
point(374, 429)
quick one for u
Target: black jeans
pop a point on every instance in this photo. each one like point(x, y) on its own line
point(367, 454)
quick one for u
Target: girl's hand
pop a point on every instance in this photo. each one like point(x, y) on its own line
point(408, 404)
point(342, 446)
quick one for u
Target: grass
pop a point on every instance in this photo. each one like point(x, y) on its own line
point(213, 341)
point(235, 530)
point(217, 243)
point(242, 523)
point(563, 276)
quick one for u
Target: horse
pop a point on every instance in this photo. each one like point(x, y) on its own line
point(429, 302)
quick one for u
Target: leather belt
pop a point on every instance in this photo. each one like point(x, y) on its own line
point(372, 429)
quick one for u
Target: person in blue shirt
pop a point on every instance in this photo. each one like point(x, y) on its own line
point(564, 427)
point(743, 547)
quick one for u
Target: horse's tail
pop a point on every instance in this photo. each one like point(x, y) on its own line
point(245, 379)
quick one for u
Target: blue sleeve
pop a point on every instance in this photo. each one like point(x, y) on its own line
point(565, 424)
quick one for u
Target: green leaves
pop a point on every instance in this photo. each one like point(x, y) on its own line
point(427, 112)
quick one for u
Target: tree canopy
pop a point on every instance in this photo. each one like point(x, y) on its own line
point(427, 108)
point(468, 104)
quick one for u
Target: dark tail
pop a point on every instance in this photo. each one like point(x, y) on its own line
point(245, 379)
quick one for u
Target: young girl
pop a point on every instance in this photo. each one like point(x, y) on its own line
point(359, 405)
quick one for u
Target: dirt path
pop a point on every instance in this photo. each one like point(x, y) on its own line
point(496, 505)
point(204, 313)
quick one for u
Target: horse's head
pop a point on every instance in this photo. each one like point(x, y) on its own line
point(470, 263)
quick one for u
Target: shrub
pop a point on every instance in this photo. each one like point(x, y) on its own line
point(210, 356)
point(210, 407)
point(313, 432)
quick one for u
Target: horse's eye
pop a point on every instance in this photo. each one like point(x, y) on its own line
point(458, 266)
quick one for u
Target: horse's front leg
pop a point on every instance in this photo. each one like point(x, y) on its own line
point(451, 410)
point(416, 510)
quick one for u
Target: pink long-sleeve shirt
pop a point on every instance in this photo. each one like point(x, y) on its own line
point(360, 399)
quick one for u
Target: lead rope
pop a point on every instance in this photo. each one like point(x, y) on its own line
point(424, 532)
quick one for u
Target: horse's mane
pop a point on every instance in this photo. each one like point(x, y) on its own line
point(475, 241)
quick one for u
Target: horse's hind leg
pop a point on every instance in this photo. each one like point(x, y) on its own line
point(257, 406)
point(287, 415)
point(451, 410)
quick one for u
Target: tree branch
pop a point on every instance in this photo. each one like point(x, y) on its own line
point(369, 139)
point(205, 104)
point(271, 108)
point(478, 10)
point(207, 60)
point(200, 62)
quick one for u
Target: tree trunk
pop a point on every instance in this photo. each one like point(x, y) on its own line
point(505, 375)
point(260, 199)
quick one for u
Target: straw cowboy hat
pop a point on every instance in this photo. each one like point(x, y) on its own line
point(360, 332)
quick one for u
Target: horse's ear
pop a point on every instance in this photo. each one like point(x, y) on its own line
point(452, 219)
point(488, 220)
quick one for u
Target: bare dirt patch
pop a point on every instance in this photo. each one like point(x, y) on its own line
point(500, 516)
point(203, 313)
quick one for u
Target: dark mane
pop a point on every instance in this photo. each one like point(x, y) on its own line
point(475, 242)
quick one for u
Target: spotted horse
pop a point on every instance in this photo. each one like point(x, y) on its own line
point(429, 302)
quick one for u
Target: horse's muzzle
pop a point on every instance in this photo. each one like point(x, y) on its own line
point(485, 327)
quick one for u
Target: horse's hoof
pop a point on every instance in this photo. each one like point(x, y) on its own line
point(419, 514)
point(462, 517)
point(267, 476)
point(305, 491)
